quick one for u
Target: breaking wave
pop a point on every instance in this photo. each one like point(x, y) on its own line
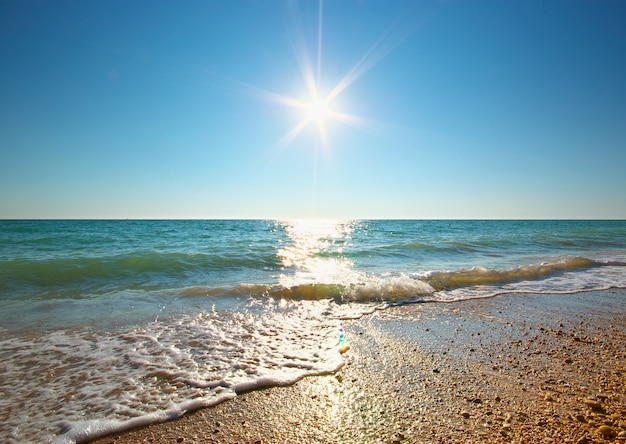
point(406, 287)
point(444, 280)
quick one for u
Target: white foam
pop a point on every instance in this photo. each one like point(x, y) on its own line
point(84, 383)
point(93, 429)
point(597, 278)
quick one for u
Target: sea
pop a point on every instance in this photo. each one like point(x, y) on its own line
point(106, 325)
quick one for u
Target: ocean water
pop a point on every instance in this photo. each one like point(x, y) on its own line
point(107, 325)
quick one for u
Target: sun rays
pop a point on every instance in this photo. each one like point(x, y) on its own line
point(318, 106)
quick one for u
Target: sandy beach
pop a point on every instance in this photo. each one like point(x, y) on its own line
point(510, 369)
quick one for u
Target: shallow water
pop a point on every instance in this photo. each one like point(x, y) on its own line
point(106, 325)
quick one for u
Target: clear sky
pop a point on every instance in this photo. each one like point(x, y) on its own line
point(286, 109)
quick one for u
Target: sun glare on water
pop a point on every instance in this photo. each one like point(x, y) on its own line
point(313, 253)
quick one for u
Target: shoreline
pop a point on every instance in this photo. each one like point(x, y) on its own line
point(520, 368)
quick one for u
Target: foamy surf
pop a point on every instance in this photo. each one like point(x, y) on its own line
point(89, 383)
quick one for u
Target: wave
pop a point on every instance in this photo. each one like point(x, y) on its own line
point(406, 287)
point(373, 290)
point(78, 270)
point(443, 247)
point(445, 280)
point(194, 275)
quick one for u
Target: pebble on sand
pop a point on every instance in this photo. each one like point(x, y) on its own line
point(606, 431)
point(593, 404)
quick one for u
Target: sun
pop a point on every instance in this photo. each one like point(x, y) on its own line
point(318, 112)
point(315, 111)
point(313, 107)
point(318, 109)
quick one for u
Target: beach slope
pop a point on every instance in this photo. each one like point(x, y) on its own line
point(522, 368)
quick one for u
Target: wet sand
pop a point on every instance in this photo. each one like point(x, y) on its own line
point(509, 369)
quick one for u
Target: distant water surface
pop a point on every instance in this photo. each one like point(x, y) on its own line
point(106, 325)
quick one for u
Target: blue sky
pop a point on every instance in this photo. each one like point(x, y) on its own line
point(453, 109)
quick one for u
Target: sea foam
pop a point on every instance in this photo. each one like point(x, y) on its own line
point(82, 384)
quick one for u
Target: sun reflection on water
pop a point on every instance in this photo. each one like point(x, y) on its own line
point(314, 253)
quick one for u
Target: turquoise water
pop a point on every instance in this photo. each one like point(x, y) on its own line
point(120, 323)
